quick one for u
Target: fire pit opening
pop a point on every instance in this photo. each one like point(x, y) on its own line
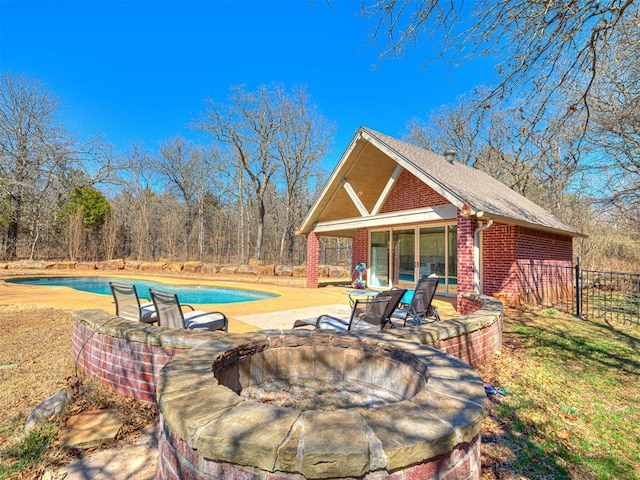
point(321, 377)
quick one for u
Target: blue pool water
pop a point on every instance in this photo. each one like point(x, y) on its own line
point(186, 293)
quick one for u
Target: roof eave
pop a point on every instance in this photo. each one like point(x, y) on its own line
point(309, 219)
point(534, 226)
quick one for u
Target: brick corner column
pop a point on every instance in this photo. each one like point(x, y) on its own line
point(466, 226)
point(313, 259)
point(360, 250)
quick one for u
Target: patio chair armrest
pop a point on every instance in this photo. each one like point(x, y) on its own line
point(304, 322)
point(225, 321)
point(187, 305)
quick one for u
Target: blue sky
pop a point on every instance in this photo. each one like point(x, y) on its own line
point(140, 71)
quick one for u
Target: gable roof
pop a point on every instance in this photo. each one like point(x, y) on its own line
point(369, 167)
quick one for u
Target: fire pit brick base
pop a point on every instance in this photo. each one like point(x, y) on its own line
point(209, 430)
point(179, 461)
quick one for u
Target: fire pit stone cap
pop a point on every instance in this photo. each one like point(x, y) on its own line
point(222, 426)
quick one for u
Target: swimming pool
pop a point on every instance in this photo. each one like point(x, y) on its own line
point(186, 293)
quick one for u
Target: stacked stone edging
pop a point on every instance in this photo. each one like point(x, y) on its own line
point(129, 355)
point(171, 268)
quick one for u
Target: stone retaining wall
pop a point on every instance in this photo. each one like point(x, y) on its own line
point(254, 269)
point(473, 338)
point(128, 356)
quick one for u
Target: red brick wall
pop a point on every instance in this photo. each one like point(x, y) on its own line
point(360, 251)
point(498, 257)
point(130, 368)
point(537, 245)
point(409, 192)
point(511, 254)
point(537, 255)
point(466, 226)
point(313, 259)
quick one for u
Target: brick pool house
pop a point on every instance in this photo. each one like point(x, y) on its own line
point(411, 212)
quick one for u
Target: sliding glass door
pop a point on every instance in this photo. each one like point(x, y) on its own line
point(379, 259)
point(432, 248)
point(404, 258)
point(413, 253)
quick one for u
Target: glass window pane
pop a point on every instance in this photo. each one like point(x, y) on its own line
point(379, 268)
point(404, 257)
point(432, 254)
point(452, 280)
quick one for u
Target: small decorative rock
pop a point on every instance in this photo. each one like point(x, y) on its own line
point(45, 410)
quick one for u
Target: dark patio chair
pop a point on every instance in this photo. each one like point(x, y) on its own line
point(170, 314)
point(365, 315)
point(128, 303)
point(396, 295)
point(420, 308)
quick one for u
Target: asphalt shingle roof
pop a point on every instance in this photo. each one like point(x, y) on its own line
point(479, 190)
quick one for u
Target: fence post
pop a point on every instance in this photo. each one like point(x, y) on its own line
point(578, 300)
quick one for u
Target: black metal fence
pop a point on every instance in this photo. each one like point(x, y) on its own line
point(548, 285)
point(608, 296)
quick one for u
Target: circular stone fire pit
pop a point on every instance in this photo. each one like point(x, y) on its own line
point(319, 404)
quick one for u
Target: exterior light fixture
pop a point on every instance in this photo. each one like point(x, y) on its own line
point(465, 211)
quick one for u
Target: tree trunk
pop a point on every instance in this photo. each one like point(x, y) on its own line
point(35, 241)
point(241, 231)
point(284, 237)
point(201, 228)
point(11, 249)
point(261, 214)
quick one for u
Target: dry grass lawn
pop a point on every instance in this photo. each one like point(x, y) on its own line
point(36, 362)
point(35, 358)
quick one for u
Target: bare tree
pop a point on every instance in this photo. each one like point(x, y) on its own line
point(75, 236)
point(302, 141)
point(248, 126)
point(258, 130)
point(615, 129)
point(110, 236)
point(489, 140)
point(39, 159)
point(34, 149)
point(186, 171)
point(541, 46)
point(536, 160)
